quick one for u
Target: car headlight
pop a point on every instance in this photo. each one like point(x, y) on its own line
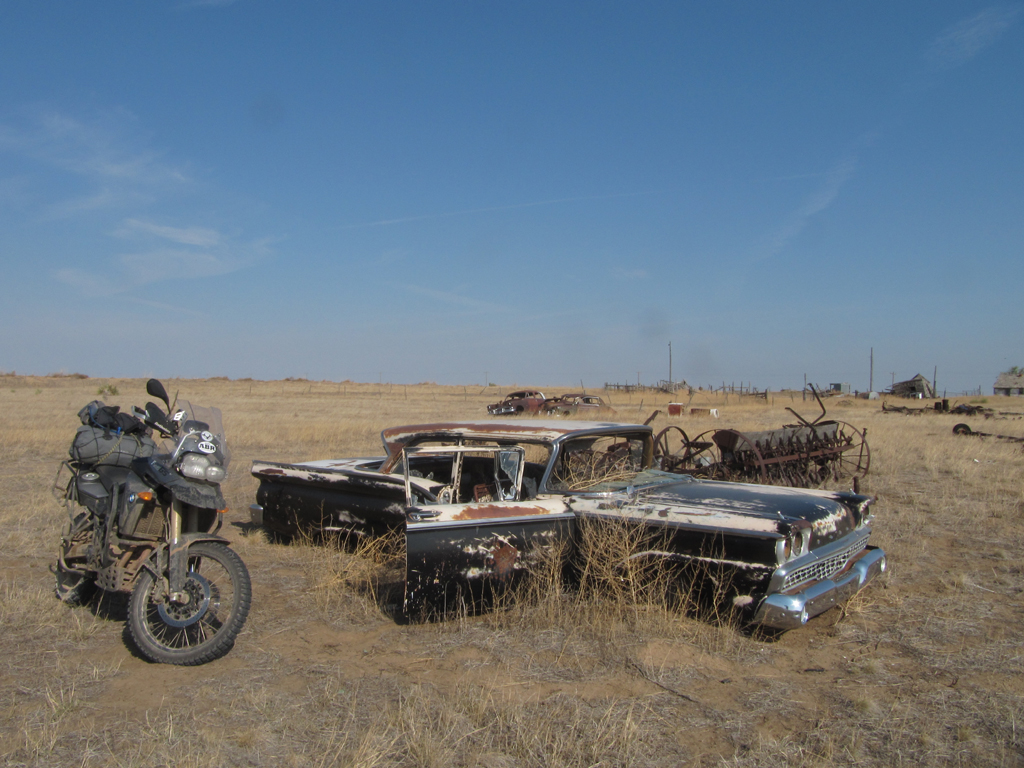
point(805, 541)
point(795, 544)
point(784, 550)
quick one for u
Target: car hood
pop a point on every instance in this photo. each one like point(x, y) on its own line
point(739, 508)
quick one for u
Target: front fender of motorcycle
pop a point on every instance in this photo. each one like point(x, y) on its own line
point(157, 473)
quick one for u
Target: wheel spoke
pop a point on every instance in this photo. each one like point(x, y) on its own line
point(203, 626)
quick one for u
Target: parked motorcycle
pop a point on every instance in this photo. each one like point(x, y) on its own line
point(143, 518)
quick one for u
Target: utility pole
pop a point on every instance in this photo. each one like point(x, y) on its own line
point(871, 376)
point(935, 378)
point(670, 385)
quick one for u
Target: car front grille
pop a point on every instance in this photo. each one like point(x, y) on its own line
point(824, 568)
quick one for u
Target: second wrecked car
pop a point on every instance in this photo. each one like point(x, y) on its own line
point(577, 404)
point(481, 505)
point(523, 401)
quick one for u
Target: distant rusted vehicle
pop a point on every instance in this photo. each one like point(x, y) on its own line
point(523, 401)
point(484, 504)
point(577, 404)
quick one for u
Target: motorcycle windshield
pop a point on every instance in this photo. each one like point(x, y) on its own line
point(193, 420)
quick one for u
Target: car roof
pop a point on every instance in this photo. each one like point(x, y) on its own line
point(527, 430)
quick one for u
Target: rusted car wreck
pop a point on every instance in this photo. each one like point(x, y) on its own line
point(482, 503)
point(523, 401)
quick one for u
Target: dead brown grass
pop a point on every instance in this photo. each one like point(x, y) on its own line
point(924, 668)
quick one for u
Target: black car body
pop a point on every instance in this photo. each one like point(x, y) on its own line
point(482, 503)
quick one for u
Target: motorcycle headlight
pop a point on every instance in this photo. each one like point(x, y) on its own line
point(199, 467)
point(194, 466)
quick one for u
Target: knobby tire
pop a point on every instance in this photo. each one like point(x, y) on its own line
point(210, 636)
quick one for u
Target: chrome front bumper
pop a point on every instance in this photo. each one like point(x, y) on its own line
point(788, 610)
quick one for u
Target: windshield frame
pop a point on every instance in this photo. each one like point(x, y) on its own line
point(186, 411)
point(644, 441)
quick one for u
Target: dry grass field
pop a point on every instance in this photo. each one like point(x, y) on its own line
point(923, 668)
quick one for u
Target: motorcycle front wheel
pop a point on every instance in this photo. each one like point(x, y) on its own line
point(204, 627)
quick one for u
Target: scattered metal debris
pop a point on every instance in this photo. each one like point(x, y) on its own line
point(967, 410)
point(905, 410)
point(961, 409)
point(802, 455)
point(964, 429)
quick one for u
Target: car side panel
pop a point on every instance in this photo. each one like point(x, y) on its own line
point(459, 554)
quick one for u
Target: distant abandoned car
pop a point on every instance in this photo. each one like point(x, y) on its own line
point(483, 504)
point(523, 401)
point(577, 404)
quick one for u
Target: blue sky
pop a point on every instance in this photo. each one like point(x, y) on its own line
point(517, 192)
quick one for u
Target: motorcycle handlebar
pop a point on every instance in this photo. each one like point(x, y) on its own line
point(155, 417)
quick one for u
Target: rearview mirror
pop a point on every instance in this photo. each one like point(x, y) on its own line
point(156, 389)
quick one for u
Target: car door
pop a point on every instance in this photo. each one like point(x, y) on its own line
point(481, 544)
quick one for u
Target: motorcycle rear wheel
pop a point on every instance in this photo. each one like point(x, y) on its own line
point(73, 588)
point(75, 585)
point(203, 629)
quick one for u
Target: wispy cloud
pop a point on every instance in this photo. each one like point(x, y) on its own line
point(102, 148)
point(213, 255)
point(964, 40)
point(94, 201)
point(455, 299)
point(468, 211)
point(815, 203)
point(198, 236)
point(77, 168)
point(87, 282)
point(179, 263)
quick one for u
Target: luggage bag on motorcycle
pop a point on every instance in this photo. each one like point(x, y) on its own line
point(94, 445)
point(109, 437)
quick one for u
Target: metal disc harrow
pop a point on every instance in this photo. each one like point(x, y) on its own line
point(803, 455)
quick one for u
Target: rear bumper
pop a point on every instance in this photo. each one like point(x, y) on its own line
point(788, 610)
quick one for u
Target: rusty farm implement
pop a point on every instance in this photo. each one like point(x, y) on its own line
point(802, 455)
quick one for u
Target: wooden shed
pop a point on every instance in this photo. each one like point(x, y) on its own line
point(918, 386)
point(1009, 384)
